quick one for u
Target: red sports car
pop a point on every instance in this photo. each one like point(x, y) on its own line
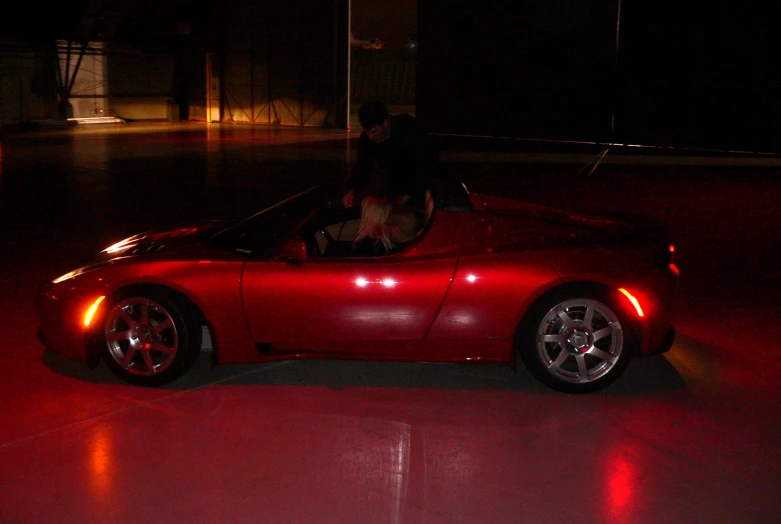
point(488, 279)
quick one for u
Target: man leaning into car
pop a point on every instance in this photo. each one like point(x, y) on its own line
point(396, 158)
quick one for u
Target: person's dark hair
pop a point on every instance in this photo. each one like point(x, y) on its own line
point(372, 114)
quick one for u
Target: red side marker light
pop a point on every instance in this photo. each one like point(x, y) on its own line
point(633, 300)
point(91, 311)
point(675, 269)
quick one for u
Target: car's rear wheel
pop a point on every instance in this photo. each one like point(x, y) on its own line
point(151, 337)
point(577, 342)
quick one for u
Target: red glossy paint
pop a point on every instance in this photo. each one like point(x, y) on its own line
point(212, 285)
point(480, 314)
point(631, 268)
point(335, 304)
point(458, 294)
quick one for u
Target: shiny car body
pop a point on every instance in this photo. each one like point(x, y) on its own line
point(488, 279)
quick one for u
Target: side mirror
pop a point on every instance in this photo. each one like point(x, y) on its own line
point(294, 250)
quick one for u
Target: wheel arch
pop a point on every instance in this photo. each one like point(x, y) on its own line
point(576, 287)
point(93, 338)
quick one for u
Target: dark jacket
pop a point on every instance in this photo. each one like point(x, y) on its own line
point(407, 160)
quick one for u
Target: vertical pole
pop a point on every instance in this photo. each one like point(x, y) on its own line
point(334, 50)
point(65, 92)
point(268, 61)
point(300, 77)
point(615, 76)
point(60, 80)
point(349, 32)
point(252, 62)
point(106, 87)
point(208, 88)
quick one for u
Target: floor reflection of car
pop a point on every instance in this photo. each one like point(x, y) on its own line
point(489, 279)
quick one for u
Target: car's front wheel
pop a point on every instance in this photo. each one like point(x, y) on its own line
point(151, 337)
point(577, 342)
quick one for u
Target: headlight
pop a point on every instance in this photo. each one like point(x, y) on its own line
point(81, 270)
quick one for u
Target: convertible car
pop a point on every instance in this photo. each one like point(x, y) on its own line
point(572, 296)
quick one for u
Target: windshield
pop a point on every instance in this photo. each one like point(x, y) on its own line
point(261, 232)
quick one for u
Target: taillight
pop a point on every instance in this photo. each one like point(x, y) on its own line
point(664, 256)
point(673, 268)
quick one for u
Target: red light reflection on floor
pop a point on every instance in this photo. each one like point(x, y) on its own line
point(621, 486)
point(101, 466)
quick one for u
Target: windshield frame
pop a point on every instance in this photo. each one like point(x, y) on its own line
point(261, 233)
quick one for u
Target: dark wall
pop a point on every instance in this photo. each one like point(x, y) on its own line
point(688, 74)
point(384, 74)
point(700, 75)
point(285, 62)
point(394, 22)
point(525, 68)
point(139, 74)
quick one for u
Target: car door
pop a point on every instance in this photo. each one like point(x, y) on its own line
point(381, 305)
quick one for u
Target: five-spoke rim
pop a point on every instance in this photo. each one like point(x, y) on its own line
point(579, 340)
point(141, 336)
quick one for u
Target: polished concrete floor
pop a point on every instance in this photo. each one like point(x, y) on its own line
point(687, 437)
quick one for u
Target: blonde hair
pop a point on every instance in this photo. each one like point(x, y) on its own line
point(374, 215)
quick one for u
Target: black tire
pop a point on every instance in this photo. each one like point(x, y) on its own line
point(568, 351)
point(149, 337)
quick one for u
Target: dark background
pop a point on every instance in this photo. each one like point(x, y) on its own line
point(687, 74)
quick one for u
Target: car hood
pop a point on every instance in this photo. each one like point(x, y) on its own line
point(164, 241)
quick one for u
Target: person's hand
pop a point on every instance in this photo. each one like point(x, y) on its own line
point(348, 198)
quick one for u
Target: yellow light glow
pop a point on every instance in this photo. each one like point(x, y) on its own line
point(80, 271)
point(633, 300)
point(66, 276)
point(91, 311)
point(121, 245)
